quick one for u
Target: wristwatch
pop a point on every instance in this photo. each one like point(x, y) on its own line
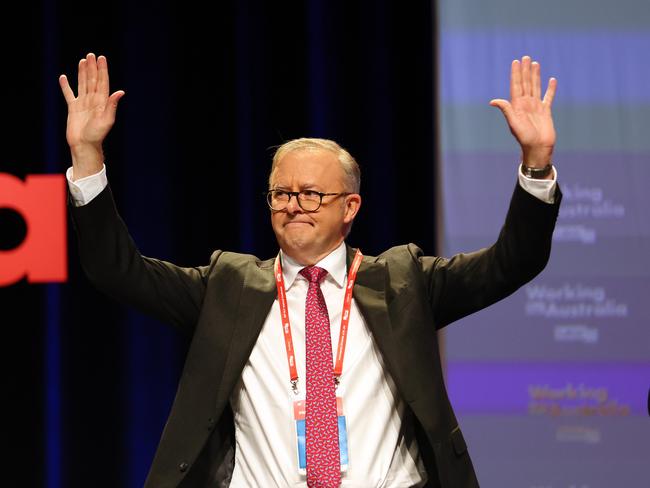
point(536, 173)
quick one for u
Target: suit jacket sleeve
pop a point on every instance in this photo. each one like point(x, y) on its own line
point(114, 265)
point(469, 282)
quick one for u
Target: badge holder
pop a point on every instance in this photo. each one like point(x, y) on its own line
point(299, 411)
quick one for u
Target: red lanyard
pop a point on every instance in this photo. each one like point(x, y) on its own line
point(345, 320)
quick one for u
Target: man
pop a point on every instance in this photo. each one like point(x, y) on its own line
point(262, 401)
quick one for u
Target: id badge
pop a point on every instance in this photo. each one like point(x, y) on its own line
point(299, 416)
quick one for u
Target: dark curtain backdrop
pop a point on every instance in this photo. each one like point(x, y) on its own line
point(209, 90)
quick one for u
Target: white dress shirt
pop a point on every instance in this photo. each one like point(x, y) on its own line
point(382, 449)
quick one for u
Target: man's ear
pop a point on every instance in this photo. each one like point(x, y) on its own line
point(352, 206)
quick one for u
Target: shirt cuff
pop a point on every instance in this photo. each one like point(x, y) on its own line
point(542, 189)
point(85, 189)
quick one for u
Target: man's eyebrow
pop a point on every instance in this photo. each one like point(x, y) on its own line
point(306, 186)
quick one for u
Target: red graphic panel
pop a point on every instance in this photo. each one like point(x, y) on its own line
point(42, 256)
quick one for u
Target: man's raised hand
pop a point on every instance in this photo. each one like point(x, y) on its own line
point(529, 115)
point(91, 114)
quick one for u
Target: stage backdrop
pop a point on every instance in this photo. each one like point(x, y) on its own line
point(210, 89)
point(551, 384)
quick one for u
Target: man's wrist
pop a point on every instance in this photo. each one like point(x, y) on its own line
point(536, 156)
point(87, 160)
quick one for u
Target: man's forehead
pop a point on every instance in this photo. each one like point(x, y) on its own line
point(309, 154)
point(301, 163)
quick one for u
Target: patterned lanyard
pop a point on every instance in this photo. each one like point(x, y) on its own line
point(345, 320)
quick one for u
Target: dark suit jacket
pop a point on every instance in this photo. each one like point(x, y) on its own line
point(404, 297)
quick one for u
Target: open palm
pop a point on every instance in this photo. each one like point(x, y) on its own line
point(528, 115)
point(91, 113)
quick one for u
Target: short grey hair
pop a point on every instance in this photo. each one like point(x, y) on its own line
point(348, 163)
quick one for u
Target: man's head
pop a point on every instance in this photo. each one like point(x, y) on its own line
point(318, 165)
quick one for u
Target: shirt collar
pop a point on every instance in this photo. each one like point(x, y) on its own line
point(335, 263)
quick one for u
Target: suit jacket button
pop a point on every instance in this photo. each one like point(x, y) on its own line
point(183, 466)
point(210, 423)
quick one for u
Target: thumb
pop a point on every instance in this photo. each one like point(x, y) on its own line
point(114, 99)
point(111, 104)
point(504, 106)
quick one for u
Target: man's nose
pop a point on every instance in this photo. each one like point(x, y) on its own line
point(293, 206)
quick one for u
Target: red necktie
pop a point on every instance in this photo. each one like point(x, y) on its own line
point(321, 421)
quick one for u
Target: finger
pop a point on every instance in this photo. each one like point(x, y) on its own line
point(550, 92)
point(68, 94)
point(525, 76)
point(91, 70)
point(81, 78)
point(537, 81)
point(515, 80)
point(102, 76)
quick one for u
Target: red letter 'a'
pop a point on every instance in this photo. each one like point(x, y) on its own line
point(40, 200)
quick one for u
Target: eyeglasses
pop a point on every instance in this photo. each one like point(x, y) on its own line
point(308, 200)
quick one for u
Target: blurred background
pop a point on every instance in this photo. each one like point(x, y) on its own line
point(550, 385)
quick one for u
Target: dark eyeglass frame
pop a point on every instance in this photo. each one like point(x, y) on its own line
point(297, 194)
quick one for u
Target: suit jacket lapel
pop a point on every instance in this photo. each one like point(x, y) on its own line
point(370, 296)
point(256, 300)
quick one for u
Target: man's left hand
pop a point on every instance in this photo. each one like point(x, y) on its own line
point(528, 115)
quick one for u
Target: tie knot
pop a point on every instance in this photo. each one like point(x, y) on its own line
point(314, 274)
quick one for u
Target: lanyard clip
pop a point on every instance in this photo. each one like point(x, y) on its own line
point(294, 386)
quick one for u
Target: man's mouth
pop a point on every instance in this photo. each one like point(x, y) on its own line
point(297, 222)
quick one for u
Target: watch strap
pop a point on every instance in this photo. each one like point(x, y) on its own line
point(536, 173)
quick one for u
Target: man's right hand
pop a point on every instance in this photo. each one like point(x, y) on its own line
point(91, 115)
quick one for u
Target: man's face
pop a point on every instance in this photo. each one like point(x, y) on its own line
point(309, 236)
